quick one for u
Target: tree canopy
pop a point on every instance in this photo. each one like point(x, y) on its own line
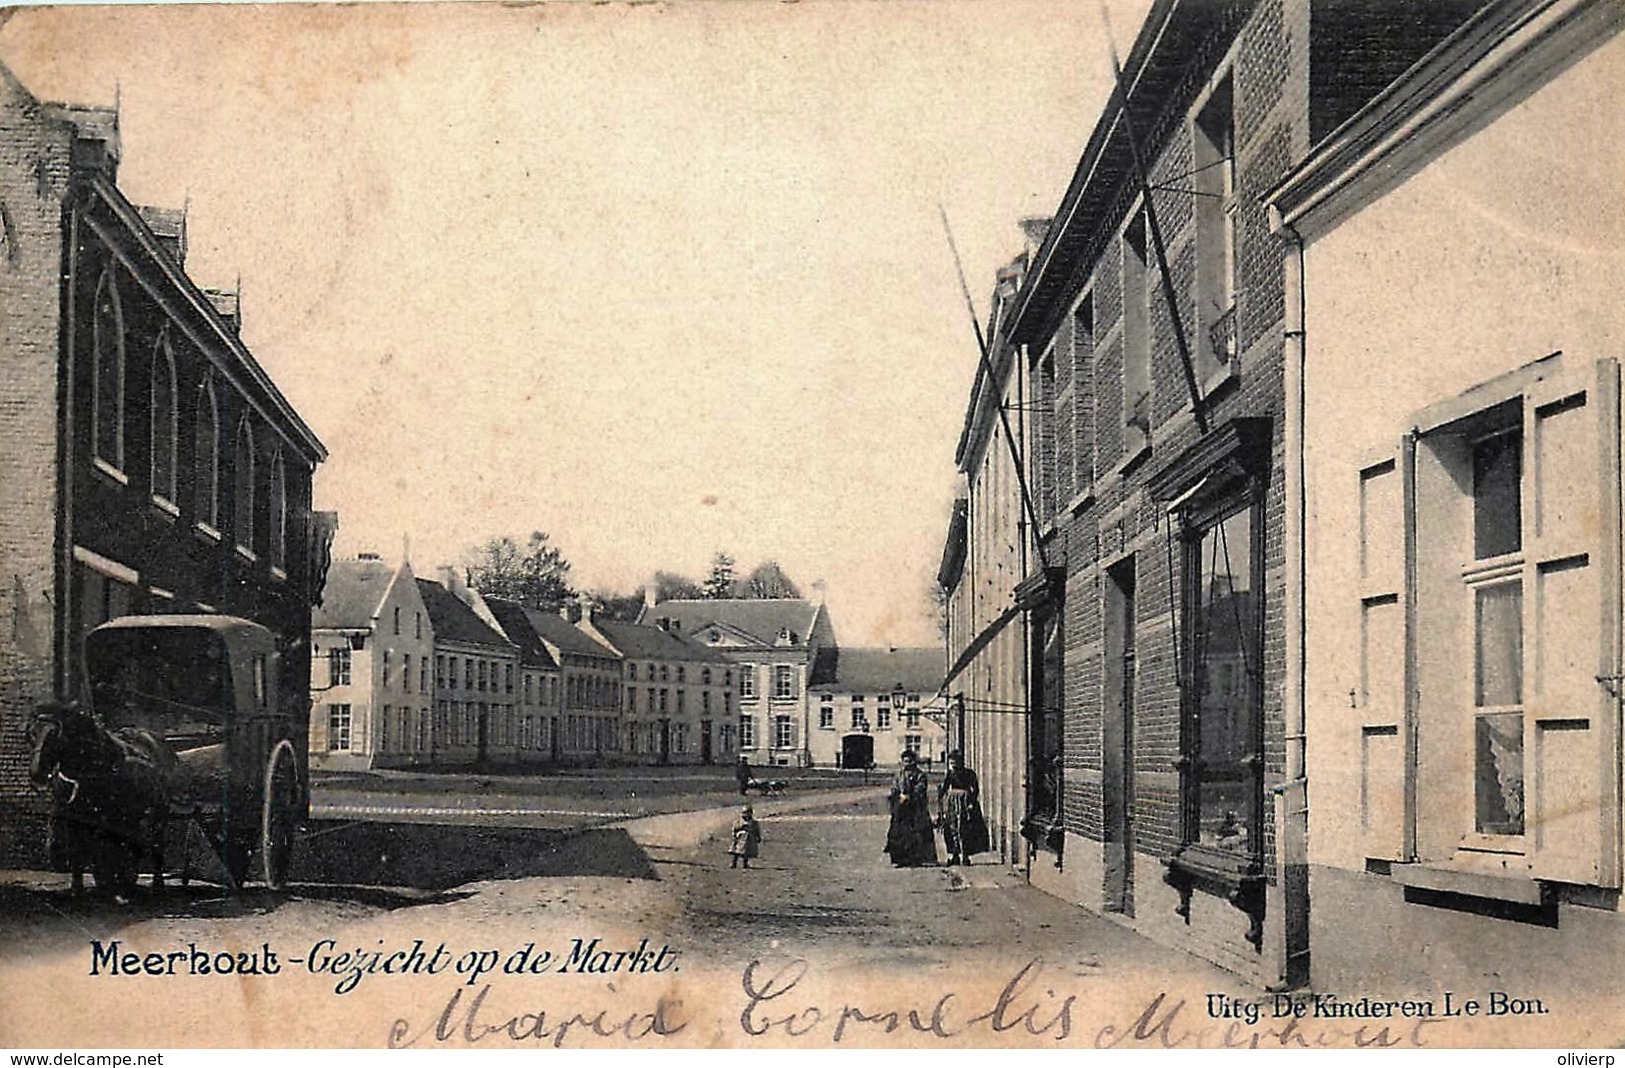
point(767, 581)
point(719, 583)
point(670, 586)
point(536, 574)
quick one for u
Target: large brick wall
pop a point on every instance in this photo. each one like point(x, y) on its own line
point(34, 163)
point(1266, 64)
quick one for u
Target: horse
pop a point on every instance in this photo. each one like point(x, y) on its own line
point(110, 792)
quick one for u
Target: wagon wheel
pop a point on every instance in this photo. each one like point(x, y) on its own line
point(277, 815)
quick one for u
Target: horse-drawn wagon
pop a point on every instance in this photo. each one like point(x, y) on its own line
point(185, 731)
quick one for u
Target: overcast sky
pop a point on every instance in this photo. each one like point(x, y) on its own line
point(659, 280)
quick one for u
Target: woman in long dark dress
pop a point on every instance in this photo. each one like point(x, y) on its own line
point(959, 800)
point(910, 840)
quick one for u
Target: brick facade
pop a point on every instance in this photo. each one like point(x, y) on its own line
point(1226, 99)
point(106, 348)
point(34, 166)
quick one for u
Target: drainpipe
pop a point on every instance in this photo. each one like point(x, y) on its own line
point(1292, 795)
point(1293, 435)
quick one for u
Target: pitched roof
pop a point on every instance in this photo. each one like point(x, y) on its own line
point(511, 616)
point(884, 670)
point(455, 621)
point(566, 636)
point(644, 642)
point(354, 591)
point(762, 619)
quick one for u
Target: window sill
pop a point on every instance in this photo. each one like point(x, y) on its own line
point(1513, 884)
point(1221, 380)
point(1132, 460)
point(1238, 878)
point(278, 574)
point(165, 507)
point(107, 470)
point(248, 555)
point(206, 532)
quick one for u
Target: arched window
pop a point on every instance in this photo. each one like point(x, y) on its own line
point(279, 513)
point(107, 369)
point(165, 426)
point(206, 458)
point(242, 501)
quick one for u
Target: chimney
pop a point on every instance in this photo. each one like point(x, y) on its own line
point(649, 595)
point(1036, 228)
point(452, 578)
point(95, 136)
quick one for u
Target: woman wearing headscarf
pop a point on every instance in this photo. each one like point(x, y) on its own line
point(959, 800)
point(910, 840)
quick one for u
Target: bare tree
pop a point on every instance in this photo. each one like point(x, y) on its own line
point(670, 586)
point(767, 581)
point(536, 575)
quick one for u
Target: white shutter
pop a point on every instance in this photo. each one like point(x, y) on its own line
point(1572, 624)
point(1381, 694)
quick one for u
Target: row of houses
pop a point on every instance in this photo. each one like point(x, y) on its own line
point(409, 671)
point(148, 463)
point(1290, 522)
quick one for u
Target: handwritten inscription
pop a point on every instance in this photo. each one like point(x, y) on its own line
point(472, 1023)
point(768, 1009)
point(1028, 1004)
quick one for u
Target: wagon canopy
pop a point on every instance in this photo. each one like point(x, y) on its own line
point(179, 675)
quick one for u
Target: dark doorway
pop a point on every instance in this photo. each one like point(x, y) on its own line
point(857, 751)
point(705, 741)
point(1045, 823)
point(1117, 742)
point(665, 741)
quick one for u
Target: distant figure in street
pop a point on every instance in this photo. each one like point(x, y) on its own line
point(959, 801)
point(747, 837)
point(742, 774)
point(910, 839)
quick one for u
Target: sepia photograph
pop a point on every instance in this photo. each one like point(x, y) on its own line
point(762, 525)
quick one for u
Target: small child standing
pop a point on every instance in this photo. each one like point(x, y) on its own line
point(747, 835)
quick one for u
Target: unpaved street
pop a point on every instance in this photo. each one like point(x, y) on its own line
point(631, 932)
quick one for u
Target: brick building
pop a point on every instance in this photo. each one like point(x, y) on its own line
point(1156, 601)
point(147, 462)
point(371, 646)
point(1462, 512)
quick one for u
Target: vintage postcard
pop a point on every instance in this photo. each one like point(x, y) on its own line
point(931, 525)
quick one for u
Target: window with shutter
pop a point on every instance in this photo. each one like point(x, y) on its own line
point(1513, 542)
point(1381, 688)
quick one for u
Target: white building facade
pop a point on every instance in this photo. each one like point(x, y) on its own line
point(1455, 259)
